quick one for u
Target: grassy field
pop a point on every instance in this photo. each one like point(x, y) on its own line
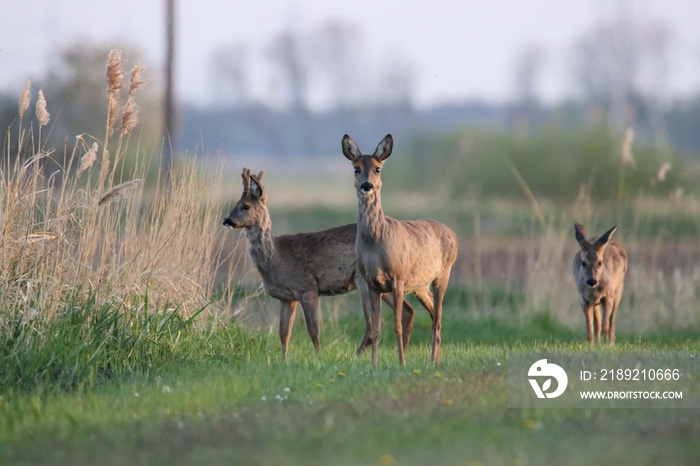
point(234, 401)
point(133, 329)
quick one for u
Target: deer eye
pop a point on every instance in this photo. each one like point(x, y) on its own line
point(377, 169)
point(600, 263)
point(584, 264)
point(245, 207)
point(357, 170)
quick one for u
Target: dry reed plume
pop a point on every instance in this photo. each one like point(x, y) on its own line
point(24, 99)
point(87, 160)
point(135, 81)
point(120, 191)
point(130, 117)
point(41, 113)
point(115, 81)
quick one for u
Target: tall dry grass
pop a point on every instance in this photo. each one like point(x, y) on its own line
point(89, 230)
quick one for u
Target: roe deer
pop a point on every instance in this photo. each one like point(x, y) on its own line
point(599, 272)
point(297, 268)
point(395, 256)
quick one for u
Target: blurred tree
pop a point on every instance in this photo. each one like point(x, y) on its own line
point(76, 93)
point(621, 65)
point(9, 118)
point(657, 39)
point(231, 76)
point(605, 65)
point(75, 88)
point(338, 48)
point(529, 63)
point(396, 83)
point(683, 120)
point(288, 55)
point(527, 69)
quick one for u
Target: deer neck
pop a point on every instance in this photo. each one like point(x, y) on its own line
point(261, 243)
point(371, 224)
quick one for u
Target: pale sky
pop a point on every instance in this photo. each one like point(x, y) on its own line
point(457, 49)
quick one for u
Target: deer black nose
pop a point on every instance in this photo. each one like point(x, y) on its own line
point(228, 223)
point(366, 187)
point(591, 282)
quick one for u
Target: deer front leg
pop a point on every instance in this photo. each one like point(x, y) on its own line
point(362, 287)
point(588, 314)
point(597, 320)
point(376, 330)
point(309, 303)
point(398, 324)
point(287, 311)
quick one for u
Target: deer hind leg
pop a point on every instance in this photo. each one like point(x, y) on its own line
point(309, 303)
point(398, 320)
point(425, 297)
point(406, 317)
point(287, 312)
point(439, 288)
point(610, 335)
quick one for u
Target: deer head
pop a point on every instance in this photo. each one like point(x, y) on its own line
point(367, 167)
point(250, 210)
point(592, 263)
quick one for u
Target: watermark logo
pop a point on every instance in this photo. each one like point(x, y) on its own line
point(542, 370)
point(603, 379)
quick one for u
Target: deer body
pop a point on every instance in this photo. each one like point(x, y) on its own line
point(599, 272)
point(396, 257)
point(305, 257)
point(296, 268)
point(382, 259)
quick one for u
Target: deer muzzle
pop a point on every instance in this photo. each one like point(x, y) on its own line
point(228, 223)
point(366, 187)
point(591, 282)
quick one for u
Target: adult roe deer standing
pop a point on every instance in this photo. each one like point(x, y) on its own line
point(599, 272)
point(297, 268)
point(396, 256)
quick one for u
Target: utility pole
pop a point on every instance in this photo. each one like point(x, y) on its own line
point(169, 131)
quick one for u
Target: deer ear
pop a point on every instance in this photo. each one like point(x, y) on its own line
point(260, 175)
point(605, 237)
point(580, 233)
point(256, 188)
point(350, 149)
point(384, 148)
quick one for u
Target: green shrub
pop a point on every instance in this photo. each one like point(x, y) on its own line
point(555, 164)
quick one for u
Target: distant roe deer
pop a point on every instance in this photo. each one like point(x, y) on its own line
point(599, 272)
point(395, 256)
point(297, 268)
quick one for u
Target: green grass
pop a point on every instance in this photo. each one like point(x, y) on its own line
point(231, 399)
